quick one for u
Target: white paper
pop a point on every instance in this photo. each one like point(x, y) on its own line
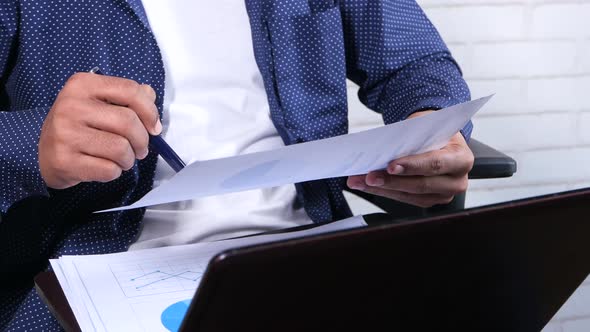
point(130, 291)
point(345, 155)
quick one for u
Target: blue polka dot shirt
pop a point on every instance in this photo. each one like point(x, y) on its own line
point(305, 50)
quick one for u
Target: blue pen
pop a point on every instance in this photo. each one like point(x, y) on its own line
point(158, 144)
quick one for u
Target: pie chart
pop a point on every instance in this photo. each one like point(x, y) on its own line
point(173, 315)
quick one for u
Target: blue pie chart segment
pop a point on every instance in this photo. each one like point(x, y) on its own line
point(173, 315)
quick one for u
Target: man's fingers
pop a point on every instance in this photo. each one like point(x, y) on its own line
point(452, 160)
point(97, 127)
point(424, 201)
point(108, 146)
point(149, 92)
point(124, 92)
point(151, 118)
point(443, 184)
point(356, 182)
point(97, 169)
point(423, 180)
point(121, 121)
point(427, 164)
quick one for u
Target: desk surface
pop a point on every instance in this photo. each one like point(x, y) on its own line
point(51, 293)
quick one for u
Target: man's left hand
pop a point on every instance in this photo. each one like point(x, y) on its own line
point(423, 180)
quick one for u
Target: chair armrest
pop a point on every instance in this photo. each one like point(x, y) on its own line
point(489, 162)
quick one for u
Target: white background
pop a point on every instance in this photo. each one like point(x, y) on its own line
point(535, 54)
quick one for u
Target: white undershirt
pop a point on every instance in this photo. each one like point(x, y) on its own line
point(215, 106)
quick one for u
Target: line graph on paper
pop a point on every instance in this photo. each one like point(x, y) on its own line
point(157, 277)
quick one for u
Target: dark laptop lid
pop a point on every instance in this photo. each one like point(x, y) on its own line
point(506, 267)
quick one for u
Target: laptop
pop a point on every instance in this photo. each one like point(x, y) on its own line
point(504, 267)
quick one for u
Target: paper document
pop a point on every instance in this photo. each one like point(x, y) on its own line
point(345, 155)
point(151, 289)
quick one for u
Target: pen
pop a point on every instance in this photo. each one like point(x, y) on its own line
point(158, 144)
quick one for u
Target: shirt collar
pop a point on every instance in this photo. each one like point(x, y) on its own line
point(137, 7)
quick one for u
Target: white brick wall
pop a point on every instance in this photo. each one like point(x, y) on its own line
point(535, 55)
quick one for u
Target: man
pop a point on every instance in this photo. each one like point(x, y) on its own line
point(226, 77)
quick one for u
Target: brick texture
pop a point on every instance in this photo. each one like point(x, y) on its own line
point(535, 55)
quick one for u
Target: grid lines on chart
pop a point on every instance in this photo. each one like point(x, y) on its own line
point(157, 276)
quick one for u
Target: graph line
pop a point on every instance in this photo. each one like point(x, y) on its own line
point(168, 276)
point(147, 274)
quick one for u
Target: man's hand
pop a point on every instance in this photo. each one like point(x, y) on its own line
point(97, 127)
point(423, 180)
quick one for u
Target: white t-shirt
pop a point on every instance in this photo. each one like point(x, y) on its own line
point(215, 106)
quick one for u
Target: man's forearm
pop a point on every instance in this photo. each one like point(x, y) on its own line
point(399, 70)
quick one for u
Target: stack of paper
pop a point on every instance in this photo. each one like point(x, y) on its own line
point(151, 289)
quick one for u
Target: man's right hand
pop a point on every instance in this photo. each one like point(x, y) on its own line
point(97, 128)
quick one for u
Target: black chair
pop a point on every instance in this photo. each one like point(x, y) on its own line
point(489, 163)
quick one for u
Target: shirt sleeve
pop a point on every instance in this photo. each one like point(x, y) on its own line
point(399, 60)
point(19, 130)
point(19, 163)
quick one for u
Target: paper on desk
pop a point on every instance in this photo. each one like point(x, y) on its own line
point(130, 291)
point(345, 155)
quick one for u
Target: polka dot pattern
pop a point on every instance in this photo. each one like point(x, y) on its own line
point(57, 39)
point(305, 49)
point(18, 156)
